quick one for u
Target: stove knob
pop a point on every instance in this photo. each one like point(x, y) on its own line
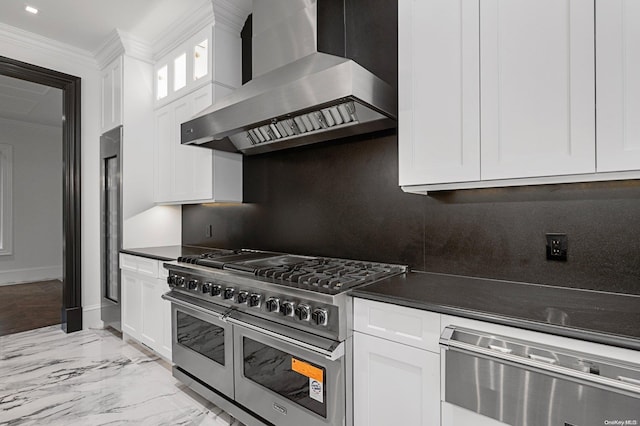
point(206, 288)
point(216, 290)
point(286, 309)
point(171, 279)
point(273, 304)
point(228, 293)
point(179, 281)
point(254, 300)
point(242, 297)
point(303, 312)
point(192, 284)
point(319, 316)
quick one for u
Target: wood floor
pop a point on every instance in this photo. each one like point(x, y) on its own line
point(28, 306)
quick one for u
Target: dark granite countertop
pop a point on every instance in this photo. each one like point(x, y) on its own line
point(609, 318)
point(167, 253)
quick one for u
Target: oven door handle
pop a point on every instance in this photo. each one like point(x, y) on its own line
point(193, 306)
point(331, 355)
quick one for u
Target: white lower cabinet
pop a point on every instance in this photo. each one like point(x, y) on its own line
point(131, 302)
point(399, 368)
point(395, 379)
point(394, 383)
point(151, 332)
point(146, 317)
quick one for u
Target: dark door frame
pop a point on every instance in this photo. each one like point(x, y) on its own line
point(72, 289)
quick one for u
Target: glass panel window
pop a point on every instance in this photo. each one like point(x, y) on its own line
point(200, 59)
point(162, 80)
point(180, 72)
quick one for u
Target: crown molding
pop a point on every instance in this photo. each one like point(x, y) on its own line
point(109, 50)
point(45, 46)
point(136, 47)
point(183, 28)
point(231, 14)
point(121, 43)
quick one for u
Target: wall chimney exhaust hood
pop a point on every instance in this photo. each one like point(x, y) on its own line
point(304, 88)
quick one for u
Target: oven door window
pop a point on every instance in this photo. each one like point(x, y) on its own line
point(285, 374)
point(200, 336)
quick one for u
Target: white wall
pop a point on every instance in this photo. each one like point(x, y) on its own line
point(37, 201)
point(33, 49)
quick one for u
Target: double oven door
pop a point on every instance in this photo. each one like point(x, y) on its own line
point(284, 376)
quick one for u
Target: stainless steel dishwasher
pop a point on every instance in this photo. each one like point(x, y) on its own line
point(521, 383)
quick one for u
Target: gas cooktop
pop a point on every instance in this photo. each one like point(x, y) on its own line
point(321, 274)
point(305, 292)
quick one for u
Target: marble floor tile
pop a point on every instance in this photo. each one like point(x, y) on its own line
point(92, 378)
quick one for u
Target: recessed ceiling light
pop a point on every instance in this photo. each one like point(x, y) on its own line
point(31, 9)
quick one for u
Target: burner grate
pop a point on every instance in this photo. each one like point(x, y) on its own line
point(324, 274)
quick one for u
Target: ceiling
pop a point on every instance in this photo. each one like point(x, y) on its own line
point(30, 102)
point(86, 24)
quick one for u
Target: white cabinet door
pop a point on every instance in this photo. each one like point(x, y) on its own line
point(165, 307)
point(618, 84)
point(111, 95)
point(146, 317)
point(192, 179)
point(182, 173)
point(152, 318)
point(537, 88)
point(438, 91)
point(186, 173)
point(131, 304)
point(394, 384)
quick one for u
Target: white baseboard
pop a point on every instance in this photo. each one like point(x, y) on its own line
point(30, 275)
point(91, 317)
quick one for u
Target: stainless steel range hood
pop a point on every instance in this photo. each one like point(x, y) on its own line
point(298, 95)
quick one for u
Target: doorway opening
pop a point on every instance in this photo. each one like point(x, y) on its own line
point(71, 312)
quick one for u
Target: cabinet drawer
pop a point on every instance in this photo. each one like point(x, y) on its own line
point(413, 327)
point(139, 265)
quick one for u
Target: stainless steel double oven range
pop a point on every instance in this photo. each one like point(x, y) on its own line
point(264, 335)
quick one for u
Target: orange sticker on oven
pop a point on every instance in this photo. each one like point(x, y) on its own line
point(307, 369)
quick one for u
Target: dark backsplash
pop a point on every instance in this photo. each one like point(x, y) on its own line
point(342, 199)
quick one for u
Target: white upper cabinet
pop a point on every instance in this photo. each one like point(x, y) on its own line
point(111, 95)
point(438, 91)
point(503, 92)
point(537, 88)
point(185, 68)
point(213, 55)
point(618, 84)
point(191, 174)
point(191, 77)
